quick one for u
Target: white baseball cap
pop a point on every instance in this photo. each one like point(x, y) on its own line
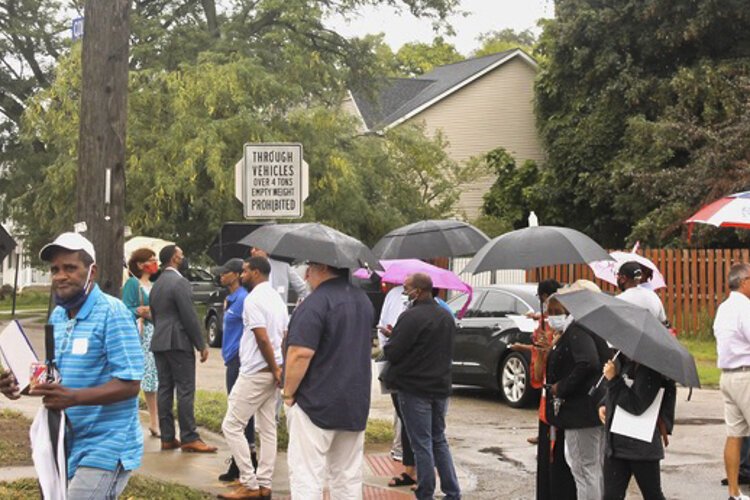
point(68, 241)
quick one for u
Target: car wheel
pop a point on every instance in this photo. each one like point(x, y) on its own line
point(212, 329)
point(514, 380)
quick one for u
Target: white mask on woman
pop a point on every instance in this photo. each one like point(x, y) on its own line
point(559, 322)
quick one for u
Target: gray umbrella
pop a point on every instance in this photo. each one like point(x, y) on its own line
point(430, 238)
point(538, 246)
point(634, 331)
point(314, 242)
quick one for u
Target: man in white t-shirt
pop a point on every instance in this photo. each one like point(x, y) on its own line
point(629, 278)
point(264, 319)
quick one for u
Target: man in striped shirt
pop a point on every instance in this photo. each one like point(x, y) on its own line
point(100, 361)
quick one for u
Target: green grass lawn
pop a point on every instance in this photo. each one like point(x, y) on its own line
point(25, 300)
point(139, 488)
point(704, 352)
point(15, 447)
point(211, 406)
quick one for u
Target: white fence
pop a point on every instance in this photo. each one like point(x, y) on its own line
point(487, 278)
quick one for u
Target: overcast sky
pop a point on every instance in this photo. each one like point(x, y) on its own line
point(484, 16)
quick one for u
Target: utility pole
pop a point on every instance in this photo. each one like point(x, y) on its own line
point(103, 123)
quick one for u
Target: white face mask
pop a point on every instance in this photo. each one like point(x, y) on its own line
point(559, 322)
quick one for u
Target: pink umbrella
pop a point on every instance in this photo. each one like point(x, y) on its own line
point(397, 270)
point(606, 270)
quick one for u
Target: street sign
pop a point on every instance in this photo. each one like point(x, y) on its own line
point(273, 181)
point(76, 29)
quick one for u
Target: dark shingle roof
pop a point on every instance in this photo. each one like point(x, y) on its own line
point(400, 96)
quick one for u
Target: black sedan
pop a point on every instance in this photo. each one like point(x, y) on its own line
point(481, 356)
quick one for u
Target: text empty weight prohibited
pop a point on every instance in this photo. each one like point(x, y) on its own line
point(273, 181)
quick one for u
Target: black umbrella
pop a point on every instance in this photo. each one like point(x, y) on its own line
point(7, 243)
point(429, 239)
point(226, 244)
point(537, 246)
point(634, 331)
point(314, 242)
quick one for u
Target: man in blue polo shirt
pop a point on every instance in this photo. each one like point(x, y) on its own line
point(229, 277)
point(100, 361)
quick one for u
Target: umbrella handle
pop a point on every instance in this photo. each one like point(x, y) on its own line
point(601, 379)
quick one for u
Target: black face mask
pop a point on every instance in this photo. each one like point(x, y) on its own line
point(184, 265)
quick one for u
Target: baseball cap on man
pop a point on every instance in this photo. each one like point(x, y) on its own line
point(230, 266)
point(631, 270)
point(68, 241)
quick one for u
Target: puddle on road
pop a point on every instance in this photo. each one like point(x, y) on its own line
point(501, 456)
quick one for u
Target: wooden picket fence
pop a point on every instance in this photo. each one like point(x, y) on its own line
point(695, 278)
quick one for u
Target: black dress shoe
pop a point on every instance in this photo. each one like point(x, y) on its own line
point(232, 474)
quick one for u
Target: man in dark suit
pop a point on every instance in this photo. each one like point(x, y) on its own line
point(176, 333)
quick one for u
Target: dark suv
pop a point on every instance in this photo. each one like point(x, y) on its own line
point(481, 354)
point(202, 283)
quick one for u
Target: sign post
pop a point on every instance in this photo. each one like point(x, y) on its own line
point(272, 181)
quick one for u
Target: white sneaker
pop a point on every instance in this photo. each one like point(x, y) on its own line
point(741, 497)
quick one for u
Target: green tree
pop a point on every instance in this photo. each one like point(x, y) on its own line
point(513, 195)
point(613, 74)
point(205, 78)
point(493, 42)
point(417, 58)
point(185, 133)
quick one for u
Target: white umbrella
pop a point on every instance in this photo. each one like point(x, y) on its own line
point(49, 459)
point(606, 270)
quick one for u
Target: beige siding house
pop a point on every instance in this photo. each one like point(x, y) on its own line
point(479, 104)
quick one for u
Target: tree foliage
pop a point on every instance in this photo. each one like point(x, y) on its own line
point(207, 77)
point(417, 58)
point(505, 39)
point(186, 129)
point(642, 110)
point(513, 195)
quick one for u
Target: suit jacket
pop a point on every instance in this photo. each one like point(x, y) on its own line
point(176, 326)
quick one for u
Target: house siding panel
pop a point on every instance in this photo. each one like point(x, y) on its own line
point(492, 111)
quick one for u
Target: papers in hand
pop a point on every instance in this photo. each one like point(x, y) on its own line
point(16, 353)
point(641, 426)
point(523, 323)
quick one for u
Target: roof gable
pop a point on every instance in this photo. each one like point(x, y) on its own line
point(401, 98)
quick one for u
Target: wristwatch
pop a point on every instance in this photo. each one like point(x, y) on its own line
point(286, 396)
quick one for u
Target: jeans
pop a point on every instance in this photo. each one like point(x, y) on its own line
point(407, 454)
point(424, 418)
point(89, 483)
point(745, 457)
point(233, 371)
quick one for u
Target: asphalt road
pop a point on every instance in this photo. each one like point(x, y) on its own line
point(488, 439)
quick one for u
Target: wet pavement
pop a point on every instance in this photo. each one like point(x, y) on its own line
point(488, 441)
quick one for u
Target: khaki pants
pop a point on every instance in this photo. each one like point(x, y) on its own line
point(253, 395)
point(316, 453)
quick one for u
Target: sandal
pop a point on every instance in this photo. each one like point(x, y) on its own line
point(403, 480)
